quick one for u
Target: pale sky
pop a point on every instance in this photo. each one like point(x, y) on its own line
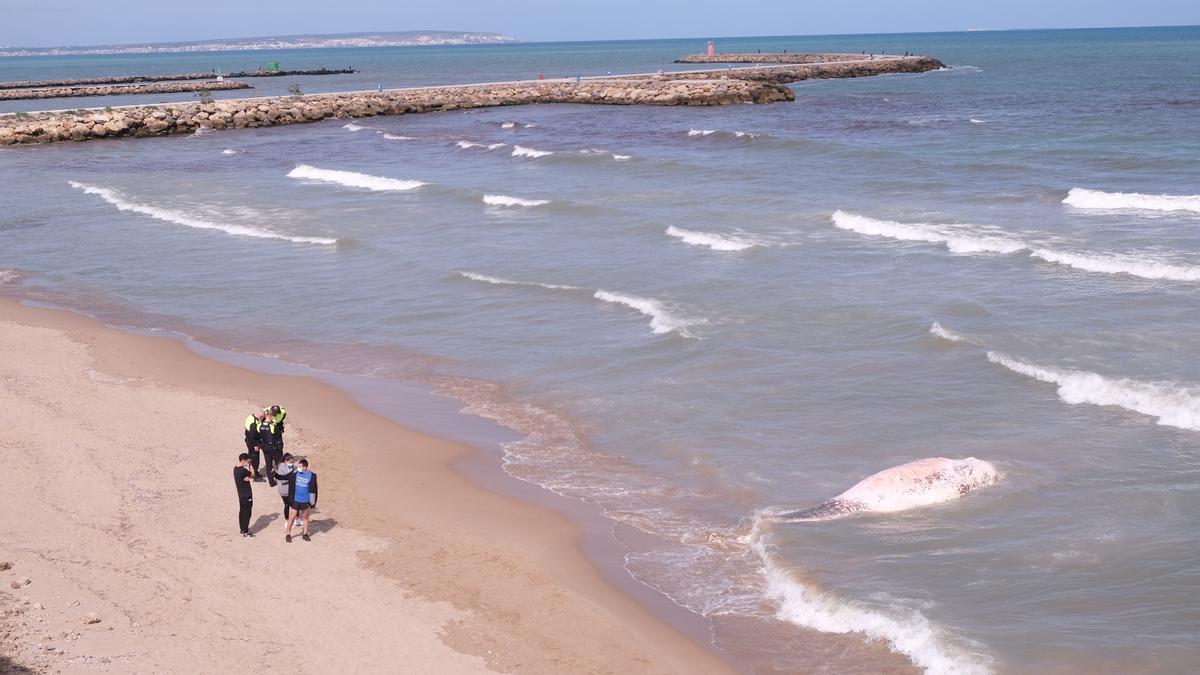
point(78, 22)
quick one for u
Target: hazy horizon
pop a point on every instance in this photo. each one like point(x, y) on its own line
point(58, 23)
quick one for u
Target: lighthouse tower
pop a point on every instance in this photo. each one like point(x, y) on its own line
point(711, 50)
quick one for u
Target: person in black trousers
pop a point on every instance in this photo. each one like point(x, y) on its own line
point(253, 441)
point(270, 440)
point(242, 475)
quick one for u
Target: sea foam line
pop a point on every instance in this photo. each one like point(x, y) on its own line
point(717, 242)
point(1171, 404)
point(353, 127)
point(938, 330)
point(1145, 268)
point(505, 200)
point(956, 238)
point(1082, 198)
point(661, 319)
point(397, 137)
point(522, 151)
point(352, 179)
point(180, 218)
point(906, 631)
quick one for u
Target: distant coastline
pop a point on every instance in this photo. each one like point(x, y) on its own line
point(331, 41)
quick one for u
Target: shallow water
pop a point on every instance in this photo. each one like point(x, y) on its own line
point(698, 313)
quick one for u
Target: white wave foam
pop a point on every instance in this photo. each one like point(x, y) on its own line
point(202, 131)
point(941, 331)
point(1081, 198)
point(1173, 405)
point(500, 281)
point(745, 134)
point(180, 218)
point(530, 125)
point(975, 120)
point(467, 145)
point(661, 320)
point(522, 151)
point(701, 132)
point(622, 158)
point(352, 179)
point(716, 242)
point(9, 276)
point(507, 125)
point(505, 200)
point(1146, 268)
point(230, 151)
point(906, 631)
point(395, 137)
point(957, 238)
point(353, 127)
point(496, 146)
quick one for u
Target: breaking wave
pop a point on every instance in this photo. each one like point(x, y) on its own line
point(1145, 268)
point(507, 125)
point(522, 151)
point(230, 151)
point(180, 218)
point(396, 137)
point(1171, 404)
point(938, 330)
point(353, 127)
point(1082, 198)
point(467, 145)
point(957, 238)
point(661, 320)
point(500, 281)
point(717, 242)
point(352, 179)
point(701, 132)
point(905, 631)
point(504, 200)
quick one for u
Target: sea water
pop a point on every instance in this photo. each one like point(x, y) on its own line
point(693, 314)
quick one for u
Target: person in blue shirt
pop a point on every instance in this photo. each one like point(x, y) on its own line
point(302, 493)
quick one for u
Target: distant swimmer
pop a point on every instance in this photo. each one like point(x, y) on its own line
point(242, 475)
point(919, 483)
point(302, 493)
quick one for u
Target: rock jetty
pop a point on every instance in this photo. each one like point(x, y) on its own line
point(770, 57)
point(186, 118)
point(134, 79)
point(784, 74)
point(120, 90)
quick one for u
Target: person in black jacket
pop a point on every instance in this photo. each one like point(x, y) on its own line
point(242, 475)
point(269, 439)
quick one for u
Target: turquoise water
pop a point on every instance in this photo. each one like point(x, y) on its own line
point(722, 310)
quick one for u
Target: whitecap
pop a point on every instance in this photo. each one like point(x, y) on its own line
point(622, 158)
point(1144, 267)
point(180, 218)
point(957, 238)
point(661, 319)
point(395, 137)
point(230, 151)
point(701, 132)
point(467, 145)
point(938, 330)
point(976, 120)
point(353, 127)
point(505, 200)
point(507, 125)
point(500, 281)
point(352, 179)
point(1082, 198)
point(1171, 404)
point(717, 242)
point(522, 151)
point(496, 146)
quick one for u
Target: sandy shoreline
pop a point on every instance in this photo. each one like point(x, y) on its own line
point(119, 502)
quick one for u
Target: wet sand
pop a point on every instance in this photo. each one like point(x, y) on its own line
point(118, 503)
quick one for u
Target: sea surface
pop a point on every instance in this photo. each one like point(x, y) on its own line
point(694, 314)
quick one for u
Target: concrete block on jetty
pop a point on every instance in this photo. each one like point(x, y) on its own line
point(182, 118)
point(120, 90)
point(769, 57)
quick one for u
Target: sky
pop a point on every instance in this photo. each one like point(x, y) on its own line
point(47, 23)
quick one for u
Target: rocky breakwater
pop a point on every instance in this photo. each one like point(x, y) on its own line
point(784, 74)
point(180, 118)
point(133, 79)
point(119, 90)
point(770, 57)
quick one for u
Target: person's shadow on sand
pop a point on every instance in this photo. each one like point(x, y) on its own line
point(263, 522)
point(322, 525)
point(9, 668)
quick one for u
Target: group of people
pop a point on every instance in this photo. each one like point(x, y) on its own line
point(296, 482)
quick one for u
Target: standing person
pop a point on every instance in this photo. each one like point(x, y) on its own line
point(272, 453)
point(242, 475)
point(252, 438)
point(280, 414)
point(283, 477)
point(302, 492)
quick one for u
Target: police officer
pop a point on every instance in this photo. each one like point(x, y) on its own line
point(270, 440)
point(253, 440)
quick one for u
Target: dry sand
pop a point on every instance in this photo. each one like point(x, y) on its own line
point(117, 503)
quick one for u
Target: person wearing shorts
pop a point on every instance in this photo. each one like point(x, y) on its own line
point(302, 493)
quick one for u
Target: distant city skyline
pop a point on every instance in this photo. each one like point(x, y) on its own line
point(53, 23)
